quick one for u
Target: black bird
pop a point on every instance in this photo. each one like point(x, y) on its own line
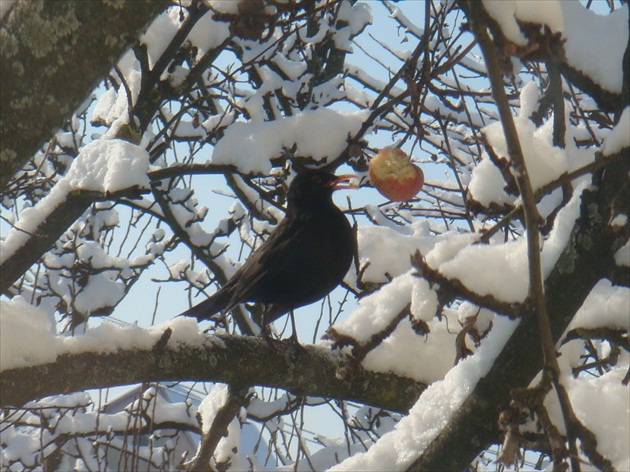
point(305, 258)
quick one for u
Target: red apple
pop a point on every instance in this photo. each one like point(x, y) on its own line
point(394, 176)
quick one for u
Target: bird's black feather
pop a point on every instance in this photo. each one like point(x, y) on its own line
point(304, 259)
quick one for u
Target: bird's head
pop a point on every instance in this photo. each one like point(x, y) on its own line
point(316, 187)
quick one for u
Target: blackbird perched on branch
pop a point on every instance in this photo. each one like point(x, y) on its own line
point(304, 259)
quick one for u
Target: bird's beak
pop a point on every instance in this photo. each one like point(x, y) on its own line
point(345, 181)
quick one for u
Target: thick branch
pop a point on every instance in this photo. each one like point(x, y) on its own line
point(580, 267)
point(73, 207)
point(39, 88)
point(302, 370)
point(44, 237)
point(532, 218)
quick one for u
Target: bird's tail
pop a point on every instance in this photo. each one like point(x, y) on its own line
point(218, 302)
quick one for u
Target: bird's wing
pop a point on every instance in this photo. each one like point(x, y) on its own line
point(269, 260)
point(246, 280)
point(217, 302)
point(288, 260)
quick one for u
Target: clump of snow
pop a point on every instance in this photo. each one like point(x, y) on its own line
point(211, 404)
point(109, 165)
point(620, 220)
point(208, 34)
point(610, 424)
point(619, 137)
point(161, 32)
point(383, 251)
point(498, 269)
point(400, 351)
point(487, 184)
point(602, 59)
point(403, 351)
point(544, 161)
point(378, 309)
point(358, 16)
point(102, 290)
point(113, 106)
point(622, 256)
point(320, 134)
point(104, 105)
point(27, 339)
point(224, 6)
point(110, 337)
point(530, 95)
point(104, 165)
point(607, 305)
point(506, 12)
point(31, 218)
point(433, 410)
point(230, 445)
point(501, 269)
point(448, 248)
point(424, 302)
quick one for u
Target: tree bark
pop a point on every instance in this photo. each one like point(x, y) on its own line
point(53, 54)
point(302, 370)
point(588, 257)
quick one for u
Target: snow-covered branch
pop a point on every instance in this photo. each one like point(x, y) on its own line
point(111, 356)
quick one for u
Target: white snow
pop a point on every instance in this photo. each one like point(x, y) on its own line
point(599, 54)
point(160, 33)
point(26, 338)
point(609, 420)
point(403, 351)
point(105, 165)
point(530, 95)
point(224, 6)
point(620, 220)
point(506, 12)
point(619, 137)
point(388, 251)
point(501, 269)
point(27, 335)
point(320, 134)
point(622, 256)
point(398, 449)
point(208, 34)
point(109, 165)
point(376, 310)
point(229, 446)
point(487, 184)
point(357, 16)
point(544, 162)
point(113, 106)
point(607, 305)
point(497, 269)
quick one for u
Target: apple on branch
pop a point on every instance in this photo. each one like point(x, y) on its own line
point(394, 175)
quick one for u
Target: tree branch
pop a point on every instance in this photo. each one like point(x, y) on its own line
point(227, 359)
point(43, 38)
point(237, 397)
point(476, 15)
